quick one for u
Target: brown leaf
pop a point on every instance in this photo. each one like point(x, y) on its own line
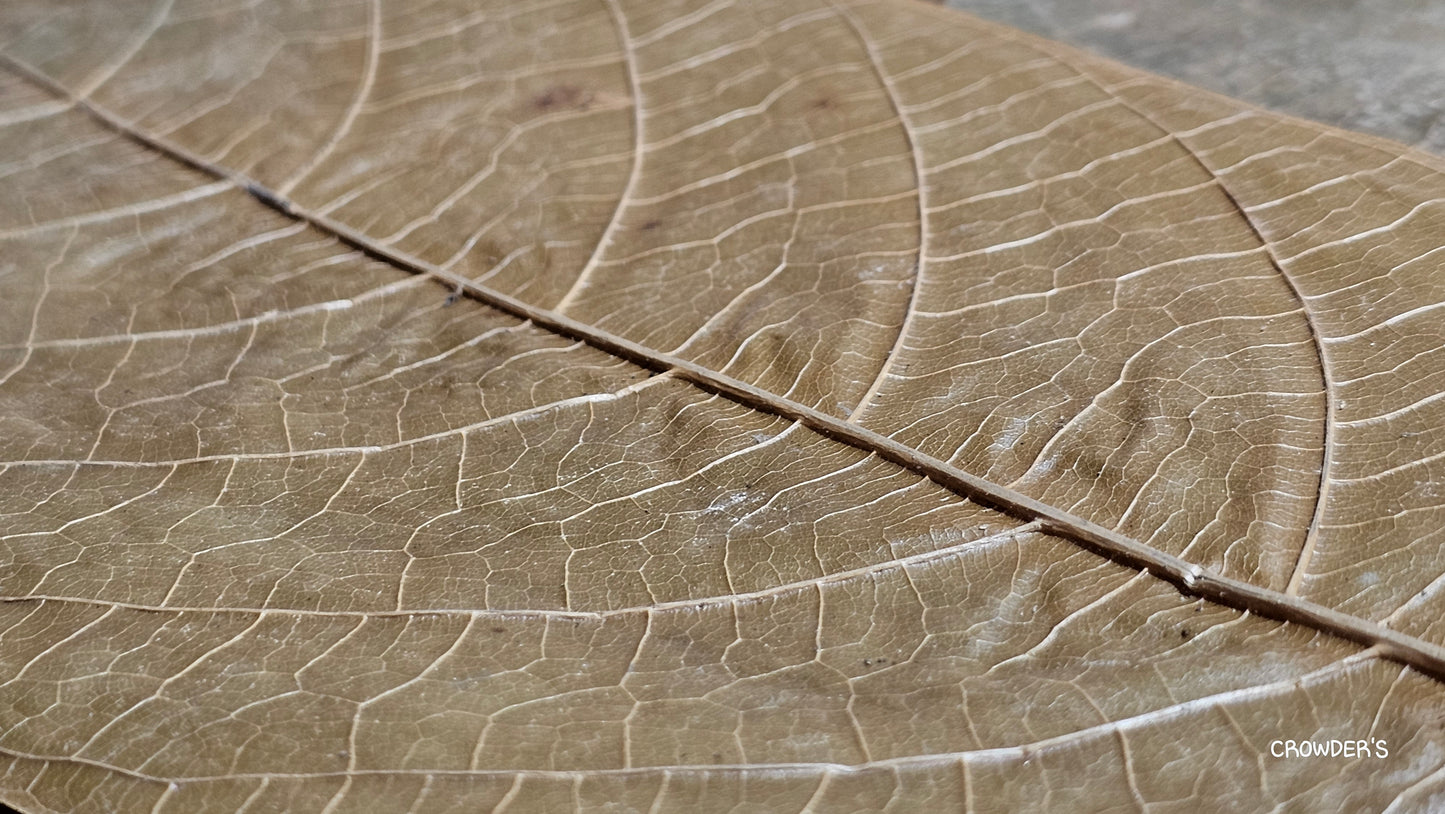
point(851, 407)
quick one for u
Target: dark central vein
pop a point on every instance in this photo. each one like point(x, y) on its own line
point(1190, 578)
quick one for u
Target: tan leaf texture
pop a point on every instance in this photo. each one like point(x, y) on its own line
point(700, 406)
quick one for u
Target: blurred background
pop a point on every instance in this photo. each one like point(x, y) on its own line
point(1371, 65)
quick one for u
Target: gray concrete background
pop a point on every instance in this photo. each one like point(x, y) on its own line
point(1371, 65)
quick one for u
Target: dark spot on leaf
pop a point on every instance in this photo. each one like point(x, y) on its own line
point(562, 97)
point(652, 224)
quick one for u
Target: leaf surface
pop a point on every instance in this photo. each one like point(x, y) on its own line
point(700, 406)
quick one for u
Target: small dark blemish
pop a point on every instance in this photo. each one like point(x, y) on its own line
point(652, 224)
point(563, 96)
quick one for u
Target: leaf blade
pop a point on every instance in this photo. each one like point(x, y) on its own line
point(555, 723)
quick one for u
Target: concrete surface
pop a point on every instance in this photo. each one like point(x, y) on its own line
point(1371, 65)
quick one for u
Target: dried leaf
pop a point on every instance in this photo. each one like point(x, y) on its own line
point(700, 406)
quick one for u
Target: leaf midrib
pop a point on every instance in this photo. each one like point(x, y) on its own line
point(1189, 578)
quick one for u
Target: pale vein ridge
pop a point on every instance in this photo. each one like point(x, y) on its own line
point(920, 177)
point(691, 603)
point(1307, 550)
point(629, 57)
point(1191, 578)
point(323, 452)
point(903, 762)
point(363, 91)
point(153, 24)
